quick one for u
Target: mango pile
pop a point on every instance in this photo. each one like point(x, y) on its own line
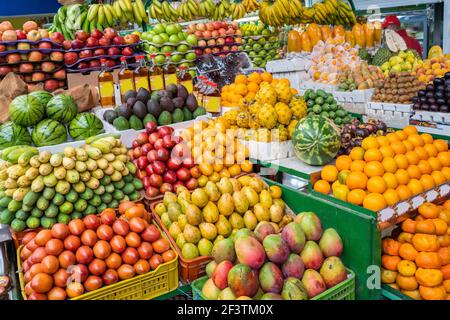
point(217, 211)
point(298, 263)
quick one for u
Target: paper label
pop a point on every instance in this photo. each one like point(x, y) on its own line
point(125, 85)
point(106, 89)
point(212, 104)
point(188, 85)
point(157, 82)
point(170, 79)
point(141, 82)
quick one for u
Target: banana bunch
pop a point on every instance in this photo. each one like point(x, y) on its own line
point(206, 8)
point(335, 12)
point(163, 11)
point(251, 5)
point(222, 10)
point(188, 10)
point(237, 10)
point(280, 12)
point(69, 19)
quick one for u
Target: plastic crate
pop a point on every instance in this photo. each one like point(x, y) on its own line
point(342, 291)
point(267, 151)
point(293, 69)
point(147, 286)
point(393, 114)
point(354, 101)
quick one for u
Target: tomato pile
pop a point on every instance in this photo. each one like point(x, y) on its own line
point(69, 260)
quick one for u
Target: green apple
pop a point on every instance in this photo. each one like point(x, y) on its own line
point(262, 53)
point(165, 37)
point(273, 52)
point(160, 59)
point(176, 58)
point(250, 41)
point(248, 48)
point(184, 64)
point(192, 73)
point(267, 46)
point(252, 54)
point(192, 39)
point(174, 39)
point(171, 29)
point(159, 28)
point(182, 36)
point(158, 39)
point(165, 49)
point(182, 48)
point(265, 32)
point(190, 56)
point(256, 46)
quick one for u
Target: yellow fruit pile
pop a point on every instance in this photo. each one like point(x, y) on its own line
point(387, 169)
point(432, 68)
point(215, 148)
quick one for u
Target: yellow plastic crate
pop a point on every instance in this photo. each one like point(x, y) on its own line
point(162, 280)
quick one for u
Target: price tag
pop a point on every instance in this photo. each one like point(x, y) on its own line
point(402, 207)
point(417, 201)
point(386, 214)
point(432, 195)
point(444, 189)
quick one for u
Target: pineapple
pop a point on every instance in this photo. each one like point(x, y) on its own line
point(254, 122)
point(242, 119)
point(281, 133)
point(284, 114)
point(298, 107)
point(264, 135)
point(283, 91)
point(254, 108)
point(266, 95)
point(268, 116)
point(291, 127)
point(231, 116)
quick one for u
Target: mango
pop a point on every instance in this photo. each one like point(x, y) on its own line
point(241, 203)
point(243, 232)
point(210, 267)
point(225, 186)
point(210, 212)
point(243, 280)
point(261, 212)
point(226, 204)
point(210, 291)
point(180, 241)
point(193, 215)
point(223, 226)
point(312, 255)
point(256, 184)
point(331, 243)
point(189, 251)
point(174, 211)
point(220, 274)
point(199, 197)
point(293, 266)
point(263, 229)
point(294, 236)
point(251, 195)
point(175, 230)
point(236, 221)
point(313, 283)
point(271, 296)
point(168, 198)
point(226, 294)
point(276, 213)
point(310, 224)
point(204, 247)
point(293, 289)
point(236, 185)
point(276, 248)
point(208, 230)
point(191, 234)
point(270, 278)
point(250, 220)
point(223, 250)
point(249, 251)
point(182, 221)
point(265, 199)
point(212, 191)
point(333, 271)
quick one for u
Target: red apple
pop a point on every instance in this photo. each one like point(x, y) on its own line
point(162, 154)
point(127, 51)
point(170, 176)
point(146, 182)
point(209, 26)
point(156, 180)
point(33, 35)
point(229, 40)
point(202, 43)
point(142, 162)
point(104, 42)
point(94, 63)
point(51, 85)
point(77, 44)
point(45, 45)
point(217, 25)
point(38, 76)
point(21, 35)
point(180, 151)
point(67, 44)
point(198, 52)
point(81, 35)
point(70, 58)
point(168, 142)
point(220, 41)
point(129, 39)
point(99, 52)
point(207, 34)
point(224, 24)
point(177, 184)
point(35, 56)
point(151, 127)
point(97, 34)
point(83, 65)
point(166, 187)
point(188, 162)
point(199, 34)
point(57, 37)
point(226, 48)
point(191, 184)
point(118, 40)
point(234, 48)
point(60, 74)
point(2, 48)
point(207, 51)
point(9, 35)
point(113, 51)
point(140, 173)
point(151, 156)
point(48, 66)
point(91, 42)
point(235, 25)
point(142, 138)
point(159, 144)
point(44, 33)
point(153, 137)
point(214, 34)
point(29, 26)
point(26, 67)
point(183, 174)
point(191, 28)
point(158, 167)
point(110, 63)
point(4, 70)
point(174, 163)
point(222, 32)
point(109, 33)
point(166, 130)
point(149, 170)
point(230, 31)
point(200, 27)
point(151, 192)
point(85, 54)
point(13, 58)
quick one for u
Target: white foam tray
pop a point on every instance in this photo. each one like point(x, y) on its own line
point(266, 151)
point(395, 107)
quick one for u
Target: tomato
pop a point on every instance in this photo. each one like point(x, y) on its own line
point(114, 261)
point(142, 266)
point(133, 240)
point(66, 259)
point(121, 227)
point(89, 238)
point(155, 261)
point(97, 267)
point(50, 264)
point(72, 243)
point(43, 237)
point(74, 289)
point(93, 283)
point(118, 244)
point(126, 272)
point(102, 249)
point(169, 255)
point(54, 247)
point(60, 231)
point(42, 283)
point(57, 294)
point(76, 227)
point(161, 245)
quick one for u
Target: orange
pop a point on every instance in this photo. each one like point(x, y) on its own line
point(253, 87)
point(387, 151)
point(357, 153)
point(415, 186)
point(374, 202)
point(403, 192)
point(435, 164)
point(429, 210)
point(444, 158)
point(408, 252)
point(342, 176)
point(391, 197)
point(416, 140)
point(294, 91)
point(329, 173)
point(398, 147)
point(392, 137)
point(335, 185)
point(382, 141)
point(341, 192)
point(438, 177)
point(408, 145)
point(446, 172)
point(427, 181)
point(376, 185)
point(224, 173)
point(255, 77)
point(389, 165)
point(391, 180)
point(356, 196)
point(206, 168)
point(356, 180)
point(431, 150)
point(373, 169)
point(421, 152)
point(234, 170)
point(373, 155)
point(370, 143)
point(275, 192)
point(240, 79)
point(401, 134)
point(246, 166)
point(241, 89)
point(250, 95)
point(424, 167)
point(357, 166)
point(322, 186)
point(402, 161)
point(266, 76)
point(409, 130)
point(343, 162)
point(414, 171)
point(412, 157)
point(441, 145)
point(402, 176)
point(427, 138)
point(217, 167)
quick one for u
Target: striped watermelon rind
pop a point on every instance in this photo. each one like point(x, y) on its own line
point(316, 140)
point(43, 96)
point(26, 110)
point(61, 108)
point(85, 125)
point(48, 133)
point(12, 134)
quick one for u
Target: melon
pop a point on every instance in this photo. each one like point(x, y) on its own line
point(48, 133)
point(12, 134)
point(61, 108)
point(26, 110)
point(85, 125)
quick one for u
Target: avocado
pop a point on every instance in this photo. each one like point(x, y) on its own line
point(154, 108)
point(129, 94)
point(165, 118)
point(155, 96)
point(163, 93)
point(182, 92)
point(178, 102)
point(191, 103)
point(172, 88)
point(124, 111)
point(143, 95)
point(187, 114)
point(177, 116)
point(121, 123)
point(139, 109)
point(130, 103)
point(109, 116)
point(167, 104)
point(149, 118)
point(136, 123)
point(199, 112)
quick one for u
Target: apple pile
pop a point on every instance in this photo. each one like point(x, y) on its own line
point(162, 160)
point(90, 48)
point(30, 31)
point(216, 37)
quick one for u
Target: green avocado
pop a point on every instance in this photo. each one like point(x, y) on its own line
point(187, 114)
point(200, 111)
point(149, 118)
point(177, 116)
point(120, 123)
point(165, 118)
point(136, 123)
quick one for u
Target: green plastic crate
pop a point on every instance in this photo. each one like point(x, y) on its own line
point(343, 291)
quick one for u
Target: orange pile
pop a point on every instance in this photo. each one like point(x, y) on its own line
point(387, 169)
point(417, 260)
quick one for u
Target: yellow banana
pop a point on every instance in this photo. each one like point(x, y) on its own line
point(123, 6)
point(141, 8)
point(136, 14)
point(101, 15)
point(117, 9)
point(92, 13)
point(128, 5)
point(108, 15)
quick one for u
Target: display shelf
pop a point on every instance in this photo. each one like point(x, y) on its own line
point(292, 166)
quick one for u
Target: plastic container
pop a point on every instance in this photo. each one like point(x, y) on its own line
point(393, 114)
point(147, 286)
point(342, 291)
point(354, 101)
point(295, 70)
point(267, 151)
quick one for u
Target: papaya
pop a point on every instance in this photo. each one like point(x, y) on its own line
point(306, 42)
point(326, 32)
point(314, 33)
point(369, 32)
point(358, 33)
point(294, 41)
point(338, 31)
point(377, 32)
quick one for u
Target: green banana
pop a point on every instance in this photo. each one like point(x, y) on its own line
point(85, 25)
point(80, 20)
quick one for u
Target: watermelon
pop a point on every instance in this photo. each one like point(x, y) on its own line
point(12, 134)
point(316, 140)
point(85, 125)
point(43, 96)
point(26, 110)
point(48, 133)
point(61, 108)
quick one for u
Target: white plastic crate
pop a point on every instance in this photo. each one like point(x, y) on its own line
point(266, 151)
point(293, 69)
point(354, 101)
point(437, 117)
point(391, 118)
point(394, 107)
point(305, 85)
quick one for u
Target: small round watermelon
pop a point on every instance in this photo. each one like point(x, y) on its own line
point(316, 140)
point(43, 96)
point(85, 125)
point(61, 108)
point(48, 133)
point(26, 110)
point(12, 134)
